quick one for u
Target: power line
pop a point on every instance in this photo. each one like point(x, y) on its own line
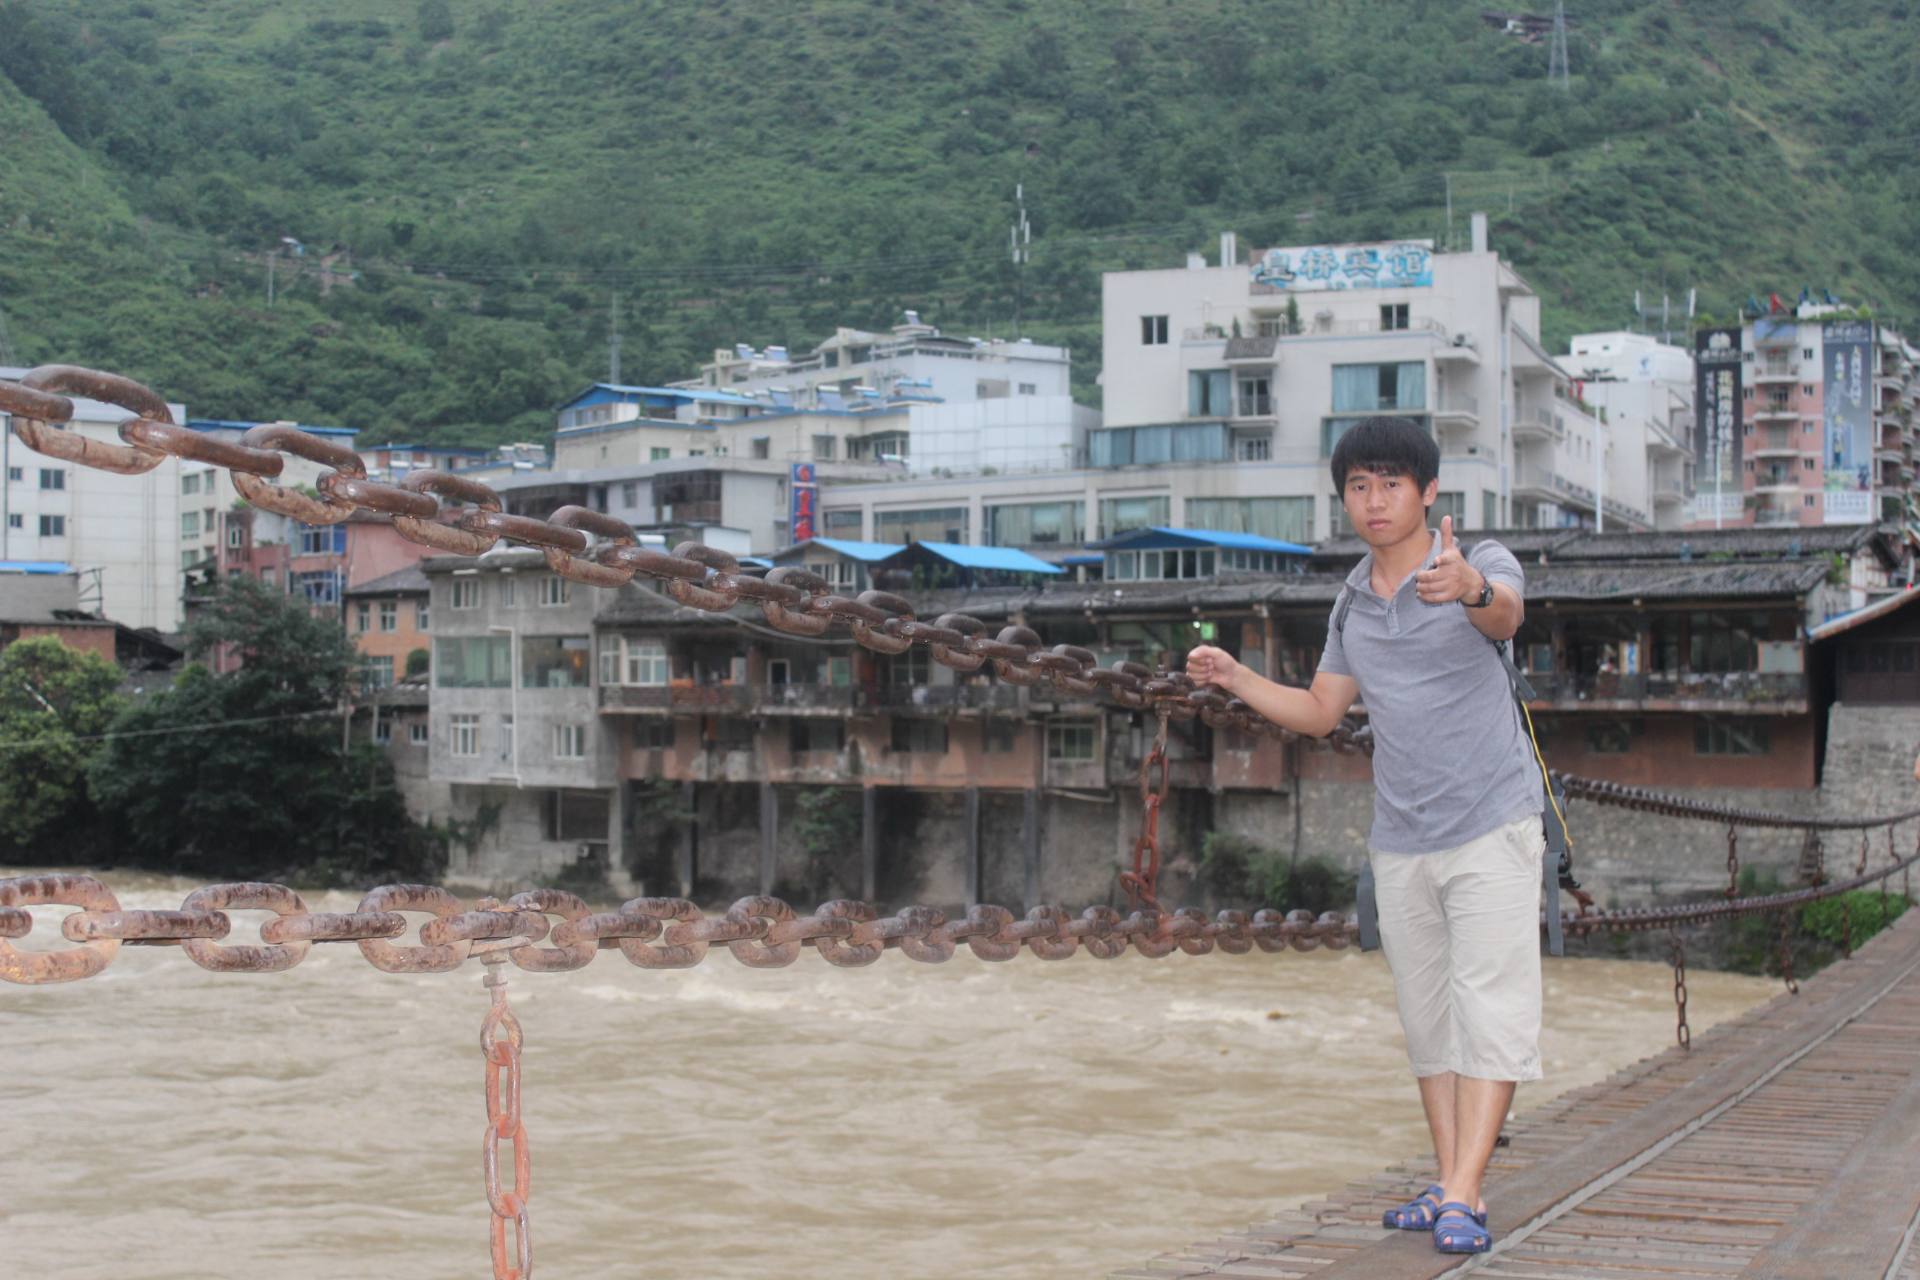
point(112, 736)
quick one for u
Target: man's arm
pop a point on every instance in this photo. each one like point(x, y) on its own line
point(1314, 711)
point(1451, 578)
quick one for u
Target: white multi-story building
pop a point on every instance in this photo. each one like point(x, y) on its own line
point(1229, 384)
point(120, 533)
point(1642, 389)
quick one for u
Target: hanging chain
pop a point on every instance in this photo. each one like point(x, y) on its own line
point(1733, 861)
point(1682, 1032)
point(1786, 953)
point(500, 1042)
point(1142, 883)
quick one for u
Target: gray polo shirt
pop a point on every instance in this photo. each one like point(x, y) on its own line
point(1451, 759)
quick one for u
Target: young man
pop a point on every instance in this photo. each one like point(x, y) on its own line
point(1457, 842)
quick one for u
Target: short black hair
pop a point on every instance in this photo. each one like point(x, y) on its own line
point(1387, 447)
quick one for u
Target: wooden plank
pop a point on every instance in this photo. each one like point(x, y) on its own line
point(1858, 1222)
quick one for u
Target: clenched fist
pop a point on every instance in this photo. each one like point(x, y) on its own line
point(1451, 577)
point(1207, 665)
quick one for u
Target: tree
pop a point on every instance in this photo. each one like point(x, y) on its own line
point(436, 21)
point(243, 773)
point(55, 702)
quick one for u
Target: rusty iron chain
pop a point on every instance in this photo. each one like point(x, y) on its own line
point(1733, 861)
point(500, 1044)
point(1142, 882)
point(1786, 953)
point(1682, 1032)
point(791, 599)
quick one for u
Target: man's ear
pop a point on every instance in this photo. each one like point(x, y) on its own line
point(1432, 492)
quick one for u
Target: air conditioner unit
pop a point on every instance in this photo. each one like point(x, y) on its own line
point(1462, 339)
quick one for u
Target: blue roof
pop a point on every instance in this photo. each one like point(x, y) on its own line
point(435, 448)
point(1163, 536)
point(868, 551)
point(1083, 557)
point(1006, 559)
point(34, 566)
point(601, 391)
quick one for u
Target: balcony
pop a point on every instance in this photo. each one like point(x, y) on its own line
point(1775, 371)
point(1777, 482)
point(670, 699)
point(948, 698)
point(1538, 483)
point(1767, 410)
point(1678, 691)
point(1777, 444)
point(1457, 411)
point(1538, 423)
point(1669, 491)
point(1261, 348)
point(1774, 517)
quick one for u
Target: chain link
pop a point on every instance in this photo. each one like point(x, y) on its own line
point(1786, 952)
point(1733, 861)
point(500, 1043)
point(1682, 1032)
point(1143, 881)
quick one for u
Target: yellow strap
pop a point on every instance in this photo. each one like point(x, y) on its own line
point(1545, 777)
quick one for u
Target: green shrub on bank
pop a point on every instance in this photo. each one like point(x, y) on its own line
point(1241, 871)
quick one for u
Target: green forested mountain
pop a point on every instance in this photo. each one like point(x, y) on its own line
point(476, 181)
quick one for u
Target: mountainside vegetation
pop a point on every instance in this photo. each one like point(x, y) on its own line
point(478, 189)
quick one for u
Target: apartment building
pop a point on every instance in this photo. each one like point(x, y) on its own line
point(121, 534)
point(1642, 390)
point(1804, 417)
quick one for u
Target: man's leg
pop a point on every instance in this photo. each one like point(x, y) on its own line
point(1413, 934)
point(1491, 891)
point(1480, 1108)
point(1438, 1099)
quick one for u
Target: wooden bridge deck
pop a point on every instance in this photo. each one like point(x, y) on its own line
point(1786, 1145)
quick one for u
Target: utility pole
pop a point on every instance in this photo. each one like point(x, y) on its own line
point(1020, 241)
point(272, 255)
point(1448, 179)
point(613, 340)
point(1557, 74)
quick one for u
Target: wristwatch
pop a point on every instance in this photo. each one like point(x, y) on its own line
point(1485, 597)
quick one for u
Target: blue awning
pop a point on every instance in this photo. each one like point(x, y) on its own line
point(1004, 559)
point(34, 566)
point(1161, 536)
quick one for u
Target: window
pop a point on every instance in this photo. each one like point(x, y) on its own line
point(188, 559)
point(577, 815)
point(554, 662)
point(362, 617)
point(1722, 642)
point(1449, 504)
point(417, 733)
point(1806, 353)
point(377, 673)
point(1207, 393)
point(466, 593)
point(999, 737)
point(506, 739)
point(1609, 738)
point(320, 586)
point(465, 734)
point(1285, 519)
point(1036, 523)
point(1029, 388)
point(569, 742)
point(936, 524)
point(15, 520)
point(909, 670)
point(1730, 736)
point(421, 615)
point(1070, 741)
point(1254, 448)
point(1393, 315)
point(823, 448)
point(382, 732)
point(646, 663)
point(554, 591)
point(843, 524)
point(659, 453)
point(1122, 515)
point(189, 483)
point(1153, 331)
point(506, 590)
point(1255, 400)
point(630, 494)
point(322, 540)
point(760, 447)
point(389, 615)
point(809, 733)
point(236, 535)
point(1489, 510)
point(1376, 388)
point(472, 662)
point(1807, 501)
point(920, 736)
point(52, 478)
point(653, 733)
point(190, 524)
point(1137, 446)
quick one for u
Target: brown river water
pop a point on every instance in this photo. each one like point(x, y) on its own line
point(1027, 1119)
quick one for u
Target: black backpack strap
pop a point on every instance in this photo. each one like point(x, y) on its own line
point(1367, 907)
point(1341, 608)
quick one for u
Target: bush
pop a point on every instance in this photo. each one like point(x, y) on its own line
point(1863, 913)
point(1243, 871)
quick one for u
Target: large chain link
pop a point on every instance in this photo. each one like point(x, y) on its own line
point(1682, 1032)
point(500, 1043)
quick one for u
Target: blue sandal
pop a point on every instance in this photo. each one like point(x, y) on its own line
point(1416, 1214)
point(1469, 1236)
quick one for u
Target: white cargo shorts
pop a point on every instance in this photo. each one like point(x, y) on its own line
point(1461, 932)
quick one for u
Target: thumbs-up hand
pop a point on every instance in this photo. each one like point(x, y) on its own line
point(1450, 578)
